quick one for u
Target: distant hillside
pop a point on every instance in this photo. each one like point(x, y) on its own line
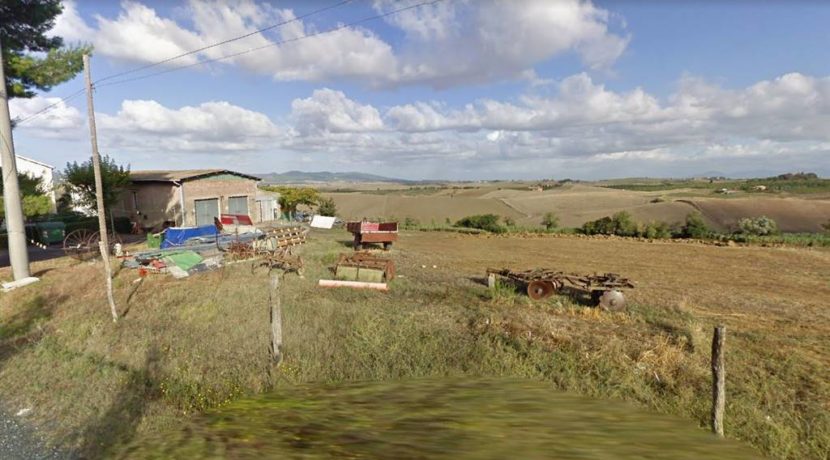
point(301, 177)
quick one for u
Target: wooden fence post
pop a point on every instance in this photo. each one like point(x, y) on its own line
point(718, 380)
point(276, 318)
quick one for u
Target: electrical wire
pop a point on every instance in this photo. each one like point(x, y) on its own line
point(281, 42)
point(224, 42)
point(49, 107)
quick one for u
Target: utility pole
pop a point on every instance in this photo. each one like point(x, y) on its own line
point(18, 253)
point(103, 243)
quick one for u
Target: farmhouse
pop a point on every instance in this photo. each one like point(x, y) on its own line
point(34, 168)
point(189, 197)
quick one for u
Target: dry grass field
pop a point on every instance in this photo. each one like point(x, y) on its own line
point(187, 346)
point(577, 203)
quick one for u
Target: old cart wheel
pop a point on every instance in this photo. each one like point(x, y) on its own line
point(540, 289)
point(612, 300)
point(112, 240)
point(77, 244)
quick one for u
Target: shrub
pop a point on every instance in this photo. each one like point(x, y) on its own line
point(758, 226)
point(550, 220)
point(620, 224)
point(489, 222)
point(509, 222)
point(327, 207)
point(694, 227)
point(410, 223)
point(656, 230)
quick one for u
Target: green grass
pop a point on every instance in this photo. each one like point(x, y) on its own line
point(435, 418)
point(200, 344)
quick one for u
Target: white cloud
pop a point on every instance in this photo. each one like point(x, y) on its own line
point(61, 121)
point(70, 25)
point(331, 111)
point(139, 34)
point(786, 116)
point(208, 127)
point(480, 41)
point(580, 125)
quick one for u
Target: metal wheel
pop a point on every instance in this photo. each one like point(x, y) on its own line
point(77, 244)
point(612, 300)
point(540, 289)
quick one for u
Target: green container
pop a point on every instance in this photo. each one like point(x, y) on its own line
point(154, 240)
point(47, 232)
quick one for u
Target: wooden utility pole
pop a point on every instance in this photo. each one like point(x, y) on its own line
point(275, 308)
point(103, 242)
point(718, 380)
point(18, 253)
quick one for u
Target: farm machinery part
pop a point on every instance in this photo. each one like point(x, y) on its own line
point(364, 266)
point(281, 259)
point(274, 242)
point(605, 289)
point(82, 244)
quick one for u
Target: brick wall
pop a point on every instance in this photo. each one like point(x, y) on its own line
point(221, 188)
point(150, 204)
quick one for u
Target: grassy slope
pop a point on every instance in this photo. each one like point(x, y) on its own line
point(186, 346)
point(434, 418)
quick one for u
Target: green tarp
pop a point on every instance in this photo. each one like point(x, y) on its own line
point(184, 259)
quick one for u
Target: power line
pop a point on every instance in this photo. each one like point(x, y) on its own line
point(281, 42)
point(223, 42)
point(49, 107)
point(154, 64)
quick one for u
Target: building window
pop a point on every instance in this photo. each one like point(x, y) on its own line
point(238, 205)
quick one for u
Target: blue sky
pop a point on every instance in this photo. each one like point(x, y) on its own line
point(451, 90)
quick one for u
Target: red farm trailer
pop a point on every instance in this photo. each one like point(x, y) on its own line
point(384, 233)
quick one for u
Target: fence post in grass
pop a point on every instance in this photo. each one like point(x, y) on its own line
point(276, 317)
point(718, 380)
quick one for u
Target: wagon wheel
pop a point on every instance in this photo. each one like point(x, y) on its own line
point(540, 289)
point(612, 300)
point(112, 240)
point(77, 244)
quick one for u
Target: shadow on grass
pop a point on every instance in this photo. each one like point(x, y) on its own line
point(40, 273)
point(481, 280)
point(118, 424)
point(133, 290)
point(24, 328)
point(347, 243)
point(579, 296)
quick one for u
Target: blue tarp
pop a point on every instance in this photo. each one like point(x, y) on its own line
point(177, 236)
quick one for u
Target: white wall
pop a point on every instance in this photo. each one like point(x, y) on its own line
point(35, 168)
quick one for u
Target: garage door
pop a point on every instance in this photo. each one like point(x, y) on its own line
point(206, 210)
point(238, 205)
